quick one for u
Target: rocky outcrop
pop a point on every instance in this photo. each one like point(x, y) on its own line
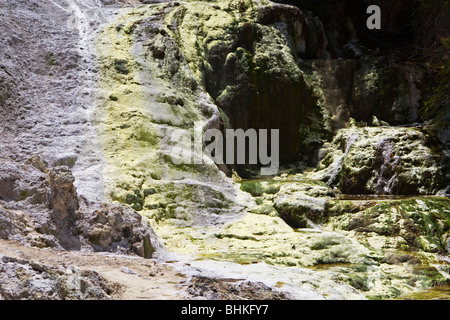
point(302, 205)
point(256, 86)
point(203, 288)
point(42, 208)
point(387, 88)
point(63, 205)
point(27, 280)
point(397, 161)
point(116, 228)
point(257, 66)
point(409, 224)
point(372, 85)
point(105, 113)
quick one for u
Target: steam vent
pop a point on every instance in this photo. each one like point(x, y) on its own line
point(224, 150)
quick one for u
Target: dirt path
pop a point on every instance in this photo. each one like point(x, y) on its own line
point(140, 279)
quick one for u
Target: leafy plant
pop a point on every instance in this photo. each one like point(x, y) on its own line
point(437, 106)
point(252, 187)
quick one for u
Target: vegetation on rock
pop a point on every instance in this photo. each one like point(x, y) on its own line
point(99, 153)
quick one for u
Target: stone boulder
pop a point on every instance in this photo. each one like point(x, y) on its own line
point(26, 280)
point(216, 289)
point(389, 160)
point(409, 224)
point(118, 228)
point(41, 207)
point(302, 205)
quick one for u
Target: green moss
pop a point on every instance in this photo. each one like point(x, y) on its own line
point(121, 66)
point(235, 236)
point(23, 195)
point(272, 188)
point(252, 187)
point(145, 134)
point(51, 60)
point(264, 209)
point(340, 207)
point(429, 276)
point(135, 200)
point(431, 216)
point(359, 268)
point(324, 242)
point(422, 222)
point(359, 281)
point(149, 191)
point(172, 100)
point(155, 175)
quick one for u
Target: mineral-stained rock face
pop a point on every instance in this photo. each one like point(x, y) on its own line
point(402, 161)
point(231, 49)
point(100, 111)
point(145, 116)
point(387, 90)
point(242, 64)
point(421, 223)
point(371, 85)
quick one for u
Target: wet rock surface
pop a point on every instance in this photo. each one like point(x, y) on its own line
point(90, 107)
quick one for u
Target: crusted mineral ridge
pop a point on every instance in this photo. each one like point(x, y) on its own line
point(148, 52)
point(43, 209)
point(388, 160)
point(138, 113)
point(157, 73)
point(48, 144)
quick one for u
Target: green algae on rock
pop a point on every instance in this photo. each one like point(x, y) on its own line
point(385, 89)
point(235, 64)
point(302, 204)
point(391, 160)
point(156, 95)
point(243, 60)
point(417, 223)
